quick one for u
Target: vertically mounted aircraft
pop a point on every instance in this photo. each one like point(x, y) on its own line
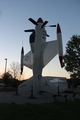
point(39, 56)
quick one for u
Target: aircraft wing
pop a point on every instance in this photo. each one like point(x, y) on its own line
point(50, 50)
point(28, 60)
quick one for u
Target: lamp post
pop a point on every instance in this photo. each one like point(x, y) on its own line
point(5, 64)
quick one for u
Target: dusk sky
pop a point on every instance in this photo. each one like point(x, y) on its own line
point(14, 16)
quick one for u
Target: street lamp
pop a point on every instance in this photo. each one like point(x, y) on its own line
point(5, 64)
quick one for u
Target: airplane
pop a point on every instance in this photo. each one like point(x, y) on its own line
point(39, 56)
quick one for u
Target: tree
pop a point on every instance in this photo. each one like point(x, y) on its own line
point(7, 77)
point(72, 57)
point(15, 69)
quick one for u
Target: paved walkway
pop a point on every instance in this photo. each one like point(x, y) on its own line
point(10, 97)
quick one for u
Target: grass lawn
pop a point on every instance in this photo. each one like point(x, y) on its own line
point(46, 111)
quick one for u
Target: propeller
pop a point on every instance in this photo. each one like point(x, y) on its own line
point(36, 23)
point(44, 24)
point(51, 26)
point(47, 35)
point(33, 21)
point(30, 30)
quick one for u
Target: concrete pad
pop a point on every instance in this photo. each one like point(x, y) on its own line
point(10, 97)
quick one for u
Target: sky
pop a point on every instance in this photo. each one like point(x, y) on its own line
point(14, 15)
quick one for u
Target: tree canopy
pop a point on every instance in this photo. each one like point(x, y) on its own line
point(15, 69)
point(7, 77)
point(72, 57)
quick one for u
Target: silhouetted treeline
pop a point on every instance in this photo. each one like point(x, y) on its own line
point(73, 83)
point(9, 81)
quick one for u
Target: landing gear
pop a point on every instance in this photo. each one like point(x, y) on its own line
point(32, 96)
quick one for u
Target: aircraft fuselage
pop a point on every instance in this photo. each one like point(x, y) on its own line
point(40, 37)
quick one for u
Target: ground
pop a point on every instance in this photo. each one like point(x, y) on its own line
point(10, 97)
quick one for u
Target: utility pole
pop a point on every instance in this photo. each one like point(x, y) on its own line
point(5, 64)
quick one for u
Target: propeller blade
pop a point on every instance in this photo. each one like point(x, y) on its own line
point(33, 21)
point(51, 26)
point(47, 35)
point(30, 30)
point(44, 24)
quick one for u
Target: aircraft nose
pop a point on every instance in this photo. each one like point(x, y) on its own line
point(39, 20)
